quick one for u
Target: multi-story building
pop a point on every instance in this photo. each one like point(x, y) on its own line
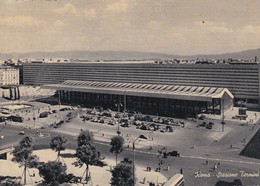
point(9, 75)
point(241, 79)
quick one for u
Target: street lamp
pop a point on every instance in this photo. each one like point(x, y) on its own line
point(134, 161)
point(118, 105)
point(34, 118)
point(124, 101)
point(223, 113)
point(59, 97)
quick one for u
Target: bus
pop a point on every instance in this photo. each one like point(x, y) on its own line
point(176, 180)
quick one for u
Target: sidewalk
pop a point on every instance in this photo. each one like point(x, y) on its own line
point(253, 116)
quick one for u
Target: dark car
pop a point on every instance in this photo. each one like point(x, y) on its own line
point(44, 114)
point(169, 128)
point(208, 126)
point(2, 119)
point(202, 117)
point(211, 123)
point(143, 127)
point(16, 118)
point(203, 124)
point(127, 160)
point(174, 153)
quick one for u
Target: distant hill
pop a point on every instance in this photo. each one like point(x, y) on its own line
point(124, 55)
point(90, 55)
point(246, 54)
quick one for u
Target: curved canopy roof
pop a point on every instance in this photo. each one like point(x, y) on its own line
point(146, 90)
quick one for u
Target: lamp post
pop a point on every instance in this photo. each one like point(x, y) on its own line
point(134, 161)
point(34, 118)
point(223, 113)
point(59, 98)
point(124, 101)
point(118, 105)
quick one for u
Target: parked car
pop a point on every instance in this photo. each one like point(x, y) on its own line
point(203, 124)
point(44, 114)
point(21, 132)
point(16, 118)
point(202, 117)
point(2, 119)
point(169, 128)
point(174, 153)
point(127, 160)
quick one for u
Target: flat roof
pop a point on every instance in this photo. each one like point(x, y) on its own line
point(195, 93)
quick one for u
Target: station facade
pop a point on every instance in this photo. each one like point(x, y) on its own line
point(156, 99)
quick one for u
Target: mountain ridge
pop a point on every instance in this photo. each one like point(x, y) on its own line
point(126, 55)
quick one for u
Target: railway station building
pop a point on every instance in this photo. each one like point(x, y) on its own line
point(147, 98)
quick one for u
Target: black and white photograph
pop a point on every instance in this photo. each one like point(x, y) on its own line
point(130, 92)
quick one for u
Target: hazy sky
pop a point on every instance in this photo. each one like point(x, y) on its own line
point(166, 26)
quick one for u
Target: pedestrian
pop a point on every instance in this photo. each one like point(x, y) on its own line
point(207, 162)
point(231, 146)
point(144, 180)
point(181, 171)
point(215, 166)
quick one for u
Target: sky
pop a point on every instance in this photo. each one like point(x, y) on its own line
point(183, 27)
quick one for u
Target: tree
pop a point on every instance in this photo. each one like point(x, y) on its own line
point(122, 175)
point(58, 143)
point(9, 181)
point(23, 155)
point(53, 172)
point(86, 152)
point(117, 143)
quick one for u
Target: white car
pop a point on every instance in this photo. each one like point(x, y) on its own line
point(21, 132)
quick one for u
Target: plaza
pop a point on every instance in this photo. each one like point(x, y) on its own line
point(196, 144)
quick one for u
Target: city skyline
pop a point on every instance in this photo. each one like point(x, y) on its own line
point(171, 27)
